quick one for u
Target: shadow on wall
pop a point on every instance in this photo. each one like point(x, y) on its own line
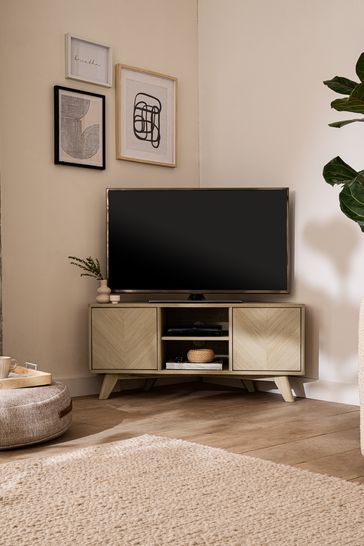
point(332, 325)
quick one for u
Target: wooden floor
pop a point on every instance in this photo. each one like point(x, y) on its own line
point(319, 436)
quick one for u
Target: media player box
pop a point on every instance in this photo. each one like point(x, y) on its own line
point(195, 331)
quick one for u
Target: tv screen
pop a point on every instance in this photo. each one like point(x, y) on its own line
point(198, 240)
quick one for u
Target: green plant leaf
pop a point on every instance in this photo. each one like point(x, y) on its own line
point(358, 92)
point(356, 188)
point(350, 104)
point(354, 103)
point(341, 85)
point(359, 68)
point(344, 199)
point(347, 211)
point(79, 265)
point(339, 124)
point(351, 196)
point(350, 206)
point(76, 259)
point(337, 171)
point(88, 264)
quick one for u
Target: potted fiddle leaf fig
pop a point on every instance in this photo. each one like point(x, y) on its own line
point(351, 197)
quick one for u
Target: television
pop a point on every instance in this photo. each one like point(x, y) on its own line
point(198, 241)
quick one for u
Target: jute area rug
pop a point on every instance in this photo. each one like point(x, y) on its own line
point(153, 491)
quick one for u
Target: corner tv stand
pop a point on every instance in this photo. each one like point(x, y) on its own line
point(258, 341)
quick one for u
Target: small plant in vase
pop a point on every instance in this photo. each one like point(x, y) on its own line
point(91, 268)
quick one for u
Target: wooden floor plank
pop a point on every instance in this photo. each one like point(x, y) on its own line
point(348, 465)
point(303, 450)
point(309, 434)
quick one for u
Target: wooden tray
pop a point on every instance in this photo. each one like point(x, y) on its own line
point(22, 377)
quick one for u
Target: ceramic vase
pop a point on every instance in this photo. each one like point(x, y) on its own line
point(103, 292)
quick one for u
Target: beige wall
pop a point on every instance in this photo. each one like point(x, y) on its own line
point(51, 211)
point(263, 122)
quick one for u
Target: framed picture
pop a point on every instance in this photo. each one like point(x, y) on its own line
point(145, 116)
point(79, 128)
point(88, 61)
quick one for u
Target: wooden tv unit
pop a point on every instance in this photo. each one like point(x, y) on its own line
point(258, 341)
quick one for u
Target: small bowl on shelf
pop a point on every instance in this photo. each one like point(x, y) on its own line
point(200, 355)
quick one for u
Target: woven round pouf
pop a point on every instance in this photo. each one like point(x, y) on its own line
point(34, 414)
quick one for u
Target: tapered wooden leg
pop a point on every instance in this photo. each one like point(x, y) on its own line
point(248, 384)
point(284, 387)
point(108, 384)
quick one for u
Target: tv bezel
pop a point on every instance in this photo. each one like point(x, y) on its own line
point(217, 291)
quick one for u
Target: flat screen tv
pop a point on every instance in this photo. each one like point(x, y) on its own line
point(198, 241)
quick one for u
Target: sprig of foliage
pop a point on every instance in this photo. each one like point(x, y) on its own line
point(351, 197)
point(90, 265)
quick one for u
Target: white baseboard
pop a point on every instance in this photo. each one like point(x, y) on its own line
point(329, 391)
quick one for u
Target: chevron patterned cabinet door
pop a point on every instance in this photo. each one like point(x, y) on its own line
point(124, 339)
point(267, 338)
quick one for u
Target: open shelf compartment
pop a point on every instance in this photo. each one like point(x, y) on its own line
point(194, 318)
point(174, 348)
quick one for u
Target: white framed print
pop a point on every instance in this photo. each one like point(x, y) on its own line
point(88, 61)
point(146, 105)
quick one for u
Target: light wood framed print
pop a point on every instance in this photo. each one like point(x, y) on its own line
point(88, 61)
point(79, 128)
point(145, 116)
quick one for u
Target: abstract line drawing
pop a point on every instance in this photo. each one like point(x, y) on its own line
point(146, 118)
point(145, 109)
point(75, 142)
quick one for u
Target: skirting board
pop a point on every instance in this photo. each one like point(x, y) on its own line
point(91, 384)
point(82, 385)
point(303, 387)
point(330, 391)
